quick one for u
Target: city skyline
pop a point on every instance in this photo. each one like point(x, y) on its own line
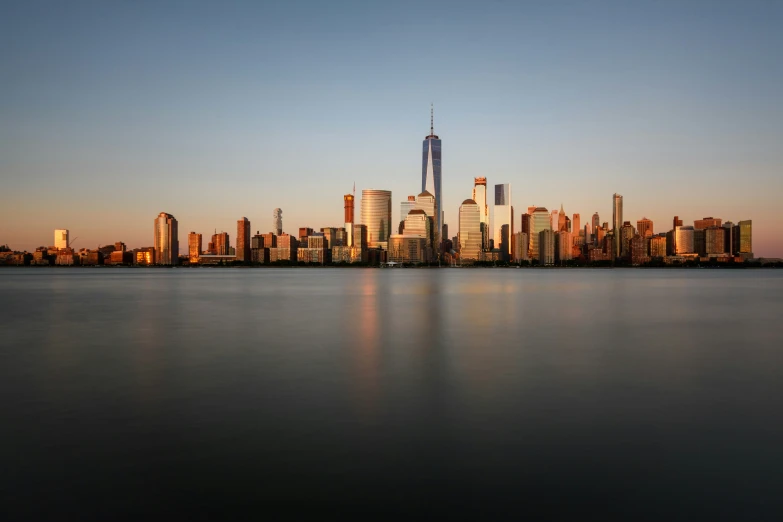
point(609, 108)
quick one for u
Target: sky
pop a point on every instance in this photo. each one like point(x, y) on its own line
point(114, 111)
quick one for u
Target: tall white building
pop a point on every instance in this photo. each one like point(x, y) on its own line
point(61, 238)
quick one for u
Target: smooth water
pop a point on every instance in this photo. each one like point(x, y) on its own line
point(399, 393)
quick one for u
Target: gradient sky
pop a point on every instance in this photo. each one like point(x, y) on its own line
point(113, 111)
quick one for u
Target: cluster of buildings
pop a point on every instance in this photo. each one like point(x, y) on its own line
point(420, 235)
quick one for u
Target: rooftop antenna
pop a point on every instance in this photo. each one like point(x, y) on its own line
point(432, 119)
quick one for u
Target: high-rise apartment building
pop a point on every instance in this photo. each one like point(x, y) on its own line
point(277, 221)
point(701, 224)
point(521, 247)
point(617, 222)
point(658, 246)
point(563, 246)
point(546, 247)
point(626, 234)
point(470, 236)
point(194, 247)
point(645, 227)
point(683, 241)
point(61, 238)
point(348, 201)
point(220, 244)
point(714, 241)
point(166, 240)
point(743, 238)
point(480, 197)
point(503, 220)
point(596, 221)
point(376, 216)
point(540, 222)
point(431, 174)
point(243, 240)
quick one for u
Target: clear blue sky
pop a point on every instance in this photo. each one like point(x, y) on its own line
point(113, 111)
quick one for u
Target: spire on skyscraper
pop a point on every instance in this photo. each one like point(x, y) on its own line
point(432, 119)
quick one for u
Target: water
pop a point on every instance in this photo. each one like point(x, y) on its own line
point(400, 393)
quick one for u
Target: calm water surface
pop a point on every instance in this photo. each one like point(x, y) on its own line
point(408, 394)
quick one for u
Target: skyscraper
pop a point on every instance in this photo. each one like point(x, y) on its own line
point(540, 221)
point(480, 197)
point(277, 221)
point(407, 206)
point(546, 247)
point(166, 240)
point(576, 225)
point(243, 240)
point(469, 235)
point(376, 215)
point(617, 222)
point(561, 220)
point(743, 238)
point(503, 220)
point(61, 238)
point(194, 247)
point(348, 200)
point(220, 244)
point(645, 227)
point(431, 174)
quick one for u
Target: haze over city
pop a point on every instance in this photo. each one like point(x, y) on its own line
point(113, 113)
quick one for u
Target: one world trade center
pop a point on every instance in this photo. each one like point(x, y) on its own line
point(431, 177)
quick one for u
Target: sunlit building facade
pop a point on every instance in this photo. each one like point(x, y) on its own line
point(376, 216)
point(683, 241)
point(714, 241)
point(404, 248)
point(520, 247)
point(480, 197)
point(540, 221)
point(645, 227)
point(743, 238)
point(243, 240)
point(563, 246)
point(61, 238)
point(166, 240)
point(407, 206)
point(658, 246)
point(470, 237)
point(704, 223)
point(194, 246)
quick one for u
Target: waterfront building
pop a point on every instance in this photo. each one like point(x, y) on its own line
point(145, 256)
point(546, 247)
point(243, 240)
point(564, 244)
point(166, 240)
point(194, 247)
point(626, 233)
point(520, 247)
point(704, 223)
point(404, 248)
point(714, 241)
point(683, 241)
point(470, 236)
point(277, 221)
point(658, 246)
point(376, 216)
point(258, 252)
point(617, 221)
point(480, 197)
point(220, 244)
point(645, 227)
point(430, 176)
point(638, 250)
point(216, 259)
point(503, 220)
point(61, 238)
point(540, 221)
point(743, 239)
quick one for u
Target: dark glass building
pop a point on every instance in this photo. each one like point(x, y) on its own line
point(431, 176)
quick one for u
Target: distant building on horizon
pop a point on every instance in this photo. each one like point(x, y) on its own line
point(243, 240)
point(166, 240)
point(61, 238)
point(277, 221)
point(540, 221)
point(644, 227)
point(546, 247)
point(617, 222)
point(701, 224)
point(194, 247)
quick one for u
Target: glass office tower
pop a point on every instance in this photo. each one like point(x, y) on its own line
point(503, 220)
point(431, 176)
point(166, 240)
point(470, 235)
point(376, 216)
